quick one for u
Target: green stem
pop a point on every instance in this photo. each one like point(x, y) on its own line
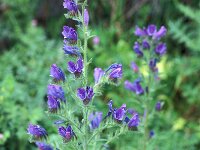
point(69, 120)
point(85, 145)
point(115, 136)
point(85, 110)
point(148, 97)
point(146, 130)
point(85, 55)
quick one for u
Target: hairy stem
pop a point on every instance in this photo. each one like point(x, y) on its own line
point(116, 136)
point(85, 110)
point(146, 107)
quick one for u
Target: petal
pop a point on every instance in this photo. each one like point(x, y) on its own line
point(81, 93)
point(71, 67)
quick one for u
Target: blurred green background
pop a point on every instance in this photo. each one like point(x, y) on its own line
point(30, 41)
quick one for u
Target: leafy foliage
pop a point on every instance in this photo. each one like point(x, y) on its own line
point(189, 34)
point(21, 91)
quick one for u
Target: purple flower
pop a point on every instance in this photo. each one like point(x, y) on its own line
point(85, 94)
point(110, 107)
point(140, 32)
point(131, 111)
point(152, 64)
point(70, 50)
point(98, 74)
point(53, 104)
point(56, 91)
point(56, 73)
point(134, 67)
point(96, 40)
point(134, 87)
point(70, 35)
point(129, 86)
point(151, 29)
point(145, 44)
point(77, 68)
point(43, 146)
point(36, 131)
point(66, 133)
point(151, 134)
point(158, 106)
point(119, 113)
point(86, 17)
point(115, 72)
point(95, 119)
point(161, 49)
point(134, 121)
point(71, 6)
point(162, 32)
point(137, 50)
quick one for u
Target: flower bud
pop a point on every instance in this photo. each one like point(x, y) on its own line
point(98, 74)
point(86, 17)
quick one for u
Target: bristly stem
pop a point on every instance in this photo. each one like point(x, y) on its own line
point(85, 110)
point(85, 28)
point(85, 54)
point(146, 108)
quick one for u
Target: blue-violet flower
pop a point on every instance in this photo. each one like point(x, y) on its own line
point(162, 32)
point(66, 133)
point(145, 44)
point(37, 131)
point(151, 29)
point(119, 113)
point(152, 64)
point(115, 72)
point(133, 123)
point(134, 87)
point(70, 35)
point(137, 49)
point(158, 106)
point(56, 73)
point(95, 119)
point(161, 48)
point(85, 94)
point(71, 6)
point(43, 146)
point(98, 74)
point(53, 104)
point(140, 32)
point(70, 50)
point(56, 91)
point(151, 133)
point(77, 68)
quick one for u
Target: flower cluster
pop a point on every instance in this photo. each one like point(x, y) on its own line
point(81, 124)
point(150, 48)
point(77, 66)
point(121, 115)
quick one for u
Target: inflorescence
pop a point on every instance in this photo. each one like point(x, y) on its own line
point(147, 47)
